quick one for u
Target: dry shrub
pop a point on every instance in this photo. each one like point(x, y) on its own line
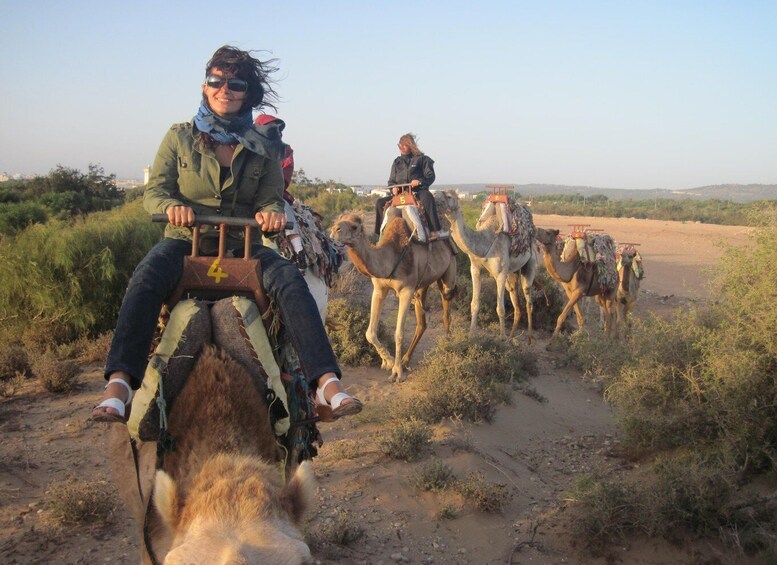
point(78, 502)
point(487, 497)
point(9, 387)
point(351, 285)
point(347, 324)
point(341, 529)
point(434, 475)
point(684, 496)
point(465, 377)
point(13, 360)
point(405, 440)
point(343, 449)
point(96, 350)
point(56, 374)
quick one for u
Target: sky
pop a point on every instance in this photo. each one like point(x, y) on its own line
point(614, 94)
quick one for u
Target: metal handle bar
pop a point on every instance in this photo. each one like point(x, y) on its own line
point(210, 220)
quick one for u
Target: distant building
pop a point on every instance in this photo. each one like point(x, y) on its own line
point(146, 174)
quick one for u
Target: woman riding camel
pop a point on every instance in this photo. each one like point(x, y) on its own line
point(416, 169)
point(220, 163)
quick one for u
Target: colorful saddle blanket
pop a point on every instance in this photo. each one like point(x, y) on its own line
point(514, 219)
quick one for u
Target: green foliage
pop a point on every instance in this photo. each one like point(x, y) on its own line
point(63, 193)
point(347, 324)
point(704, 382)
point(688, 210)
point(68, 280)
point(14, 217)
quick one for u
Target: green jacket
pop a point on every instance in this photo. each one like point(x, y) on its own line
point(186, 173)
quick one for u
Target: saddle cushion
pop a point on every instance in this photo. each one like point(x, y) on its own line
point(235, 325)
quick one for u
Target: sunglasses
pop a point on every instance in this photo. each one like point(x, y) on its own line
point(234, 84)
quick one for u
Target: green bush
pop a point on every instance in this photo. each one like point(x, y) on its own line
point(70, 279)
point(704, 382)
point(347, 324)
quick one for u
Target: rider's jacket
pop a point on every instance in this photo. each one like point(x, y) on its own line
point(406, 168)
point(186, 172)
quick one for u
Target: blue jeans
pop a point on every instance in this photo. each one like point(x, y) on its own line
point(157, 275)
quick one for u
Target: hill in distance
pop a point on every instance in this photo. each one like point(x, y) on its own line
point(733, 192)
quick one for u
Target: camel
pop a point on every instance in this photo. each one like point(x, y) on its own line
point(219, 496)
point(628, 289)
point(489, 249)
point(577, 281)
point(406, 267)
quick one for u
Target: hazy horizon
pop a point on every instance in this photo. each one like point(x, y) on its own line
point(660, 95)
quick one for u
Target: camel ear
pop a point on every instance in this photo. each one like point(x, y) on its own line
point(300, 492)
point(166, 499)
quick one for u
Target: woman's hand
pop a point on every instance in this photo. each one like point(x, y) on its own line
point(414, 183)
point(271, 221)
point(180, 216)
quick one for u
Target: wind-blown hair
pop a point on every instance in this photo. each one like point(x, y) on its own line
point(409, 140)
point(241, 64)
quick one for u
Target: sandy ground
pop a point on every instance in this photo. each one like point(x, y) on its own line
point(536, 449)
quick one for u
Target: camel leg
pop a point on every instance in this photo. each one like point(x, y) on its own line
point(420, 326)
point(475, 305)
point(528, 272)
point(501, 282)
point(607, 306)
point(447, 286)
point(405, 297)
point(376, 307)
point(574, 297)
point(512, 289)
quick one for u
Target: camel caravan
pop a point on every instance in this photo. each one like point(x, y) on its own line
point(214, 459)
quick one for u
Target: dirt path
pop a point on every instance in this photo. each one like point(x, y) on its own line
point(537, 449)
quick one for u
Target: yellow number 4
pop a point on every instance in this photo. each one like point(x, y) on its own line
point(216, 272)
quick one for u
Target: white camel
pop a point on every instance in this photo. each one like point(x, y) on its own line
point(489, 249)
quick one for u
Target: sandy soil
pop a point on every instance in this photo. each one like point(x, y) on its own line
point(535, 449)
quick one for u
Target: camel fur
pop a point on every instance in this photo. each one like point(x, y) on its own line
point(405, 267)
point(628, 289)
point(220, 497)
point(577, 280)
point(489, 248)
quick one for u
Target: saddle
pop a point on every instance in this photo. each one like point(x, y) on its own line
point(406, 205)
point(513, 219)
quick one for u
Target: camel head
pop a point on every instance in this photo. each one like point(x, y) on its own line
point(452, 205)
point(348, 228)
point(627, 256)
point(547, 237)
point(236, 511)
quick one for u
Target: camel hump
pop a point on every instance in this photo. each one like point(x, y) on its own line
point(235, 325)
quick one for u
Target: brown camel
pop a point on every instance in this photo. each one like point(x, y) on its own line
point(490, 250)
point(576, 279)
point(219, 496)
point(406, 267)
point(628, 289)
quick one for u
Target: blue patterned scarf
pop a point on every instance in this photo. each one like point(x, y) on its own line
point(263, 140)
